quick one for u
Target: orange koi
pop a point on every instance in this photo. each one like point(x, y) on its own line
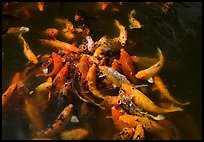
point(66, 47)
point(9, 92)
point(59, 124)
point(27, 51)
point(139, 132)
point(58, 63)
point(83, 66)
point(60, 78)
point(52, 32)
point(116, 113)
point(127, 65)
point(75, 134)
point(144, 102)
point(91, 78)
point(123, 33)
point(103, 48)
point(159, 85)
point(116, 65)
point(41, 6)
point(149, 125)
point(148, 73)
point(125, 134)
point(113, 76)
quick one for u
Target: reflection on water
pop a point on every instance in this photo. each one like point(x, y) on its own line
point(177, 34)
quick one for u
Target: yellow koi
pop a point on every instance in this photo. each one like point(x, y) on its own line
point(133, 22)
point(142, 101)
point(91, 78)
point(158, 84)
point(123, 33)
point(27, 51)
point(148, 73)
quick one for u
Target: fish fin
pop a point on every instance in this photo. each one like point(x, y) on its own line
point(114, 86)
point(150, 80)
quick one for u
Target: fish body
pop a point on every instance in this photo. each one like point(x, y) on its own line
point(153, 70)
point(142, 101)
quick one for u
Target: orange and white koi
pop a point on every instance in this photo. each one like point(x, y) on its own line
point(75, 134)
point(59, 124)
point(90, 44)
point(41, 6)
point(159, 85)
point(127, 65)
point(134, 24)
point(114, 76)
point(58, 63)
point(27, 51)
point(17, 30)
point(142, 101)
point(123, 33)
point(148, 73)
point(63, 46)
point(91, 79)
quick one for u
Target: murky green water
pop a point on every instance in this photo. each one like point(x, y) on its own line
point(178, 34)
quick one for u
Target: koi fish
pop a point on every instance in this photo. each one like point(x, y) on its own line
point(52, 32)
point(143, 62)
point(63, 46)
point(58, 63)
point(125, 134)
point(17, 30)
point(134, 24)
point(27, 51)
point(114, 76)
point(149, 125)
point(142, 101)
point(99, 50)
point(59, 124)
point(127, 65)
point(159, 85)
point(90, 44)
point(9, 92)
point(116, 65)
point(148, 73)
point(83, 66)
point(60, 78)
point(91, 78)
point(75, 134)
point(123, 33)
point(41, 6)
point(44, 87)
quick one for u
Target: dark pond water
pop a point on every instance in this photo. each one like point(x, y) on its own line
point(178, 34)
